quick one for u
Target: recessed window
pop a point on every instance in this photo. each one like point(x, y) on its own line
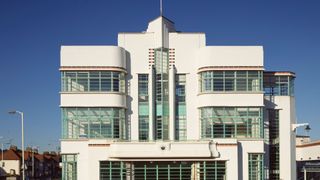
point(143, 103)
point(181, 115)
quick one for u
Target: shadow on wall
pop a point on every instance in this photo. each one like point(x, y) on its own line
point(2, 171)
point(269, 103)
point(240, 161)
point(129, 98)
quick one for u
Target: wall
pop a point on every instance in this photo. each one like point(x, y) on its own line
point(93, 56)
point(286, 106)
point(308, 151)
point(11, 164)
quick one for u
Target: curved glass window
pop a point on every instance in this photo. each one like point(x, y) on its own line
point(93, 81)
point(228, 81)
point(93, 123)
point(231, 122)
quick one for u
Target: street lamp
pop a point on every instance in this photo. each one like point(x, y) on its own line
point(1, 152)
point(33, 148)
point(22, 139)
point(305, 125)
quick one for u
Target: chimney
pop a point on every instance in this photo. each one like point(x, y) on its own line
point(29, 149)
point(12, 147)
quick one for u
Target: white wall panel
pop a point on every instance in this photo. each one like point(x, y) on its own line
point(230, 100)
point(93, 56)
point(93, 100)
point(230, 56)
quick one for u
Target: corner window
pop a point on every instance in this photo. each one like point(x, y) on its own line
point(276, 85)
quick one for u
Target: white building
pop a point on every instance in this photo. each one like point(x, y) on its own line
point(163, 105)
point(308, 158)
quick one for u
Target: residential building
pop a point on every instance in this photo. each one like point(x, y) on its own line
point(164, 105)
point(10, 163)
point(37, 166)
point(308, 158)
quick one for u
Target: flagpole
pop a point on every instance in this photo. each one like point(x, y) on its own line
point(160, 7)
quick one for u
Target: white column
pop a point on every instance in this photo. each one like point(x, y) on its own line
point(172, 112)
point(151, 103)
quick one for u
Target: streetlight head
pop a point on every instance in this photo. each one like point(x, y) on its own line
point(15, 112)
point(12, 112)
point(307, 128)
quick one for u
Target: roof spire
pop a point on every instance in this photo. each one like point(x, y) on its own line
point(160, 7)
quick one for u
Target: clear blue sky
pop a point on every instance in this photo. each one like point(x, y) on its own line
point(32, 31)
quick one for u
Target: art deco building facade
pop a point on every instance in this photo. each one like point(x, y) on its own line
point(163, 105)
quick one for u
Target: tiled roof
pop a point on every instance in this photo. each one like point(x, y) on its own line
point(39, 157)
point(10, 155)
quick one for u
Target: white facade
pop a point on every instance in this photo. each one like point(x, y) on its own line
point(307, 158)
point(222, 119)
point(307, 150)
point(10, 167)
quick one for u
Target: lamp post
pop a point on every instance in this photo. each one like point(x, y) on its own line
point(1, 152)
point(22, 140)
point(33, 149)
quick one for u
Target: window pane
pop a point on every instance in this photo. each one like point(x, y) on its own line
point(94, 84)
point(218, 84)
point(105, 84)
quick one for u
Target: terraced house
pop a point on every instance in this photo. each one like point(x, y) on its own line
point(164, 105)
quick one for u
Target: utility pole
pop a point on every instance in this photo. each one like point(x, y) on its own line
point(32, 162)
point(22, 140)
point(2, 163)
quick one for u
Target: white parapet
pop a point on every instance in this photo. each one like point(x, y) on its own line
point(93, 56)
point(230, 56)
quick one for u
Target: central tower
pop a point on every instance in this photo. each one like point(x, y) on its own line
point(161, 27)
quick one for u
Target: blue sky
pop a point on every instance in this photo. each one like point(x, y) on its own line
point(32, 31)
